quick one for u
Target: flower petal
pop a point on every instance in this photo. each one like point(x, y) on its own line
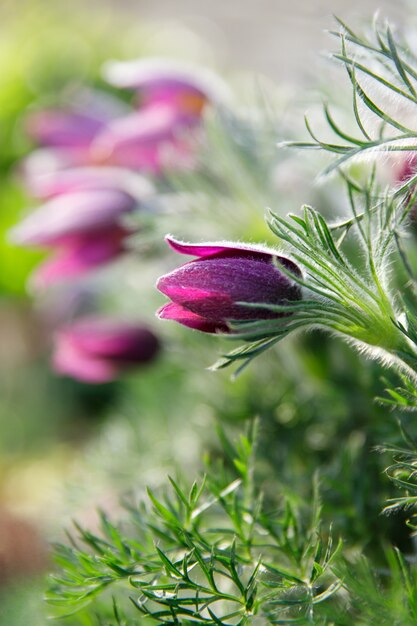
point(71, 214)
point(58, 128)
point(210, 249)
point(176, 312)
point(82, 256)
point(150, 75)
point(47, 185)
point(213, 286)
point(120, 341)
point(95, 349)
point(69, 360)
point(50, 160)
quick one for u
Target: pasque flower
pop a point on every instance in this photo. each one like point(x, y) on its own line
point(100, 130)
point(81, 220)
point(206, 292)
point(172, 99)
point(99, 349)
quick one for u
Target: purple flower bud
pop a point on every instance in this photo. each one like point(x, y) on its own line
point(205, 291)
point(80, 256)
point(97, 350)
point(82, 220)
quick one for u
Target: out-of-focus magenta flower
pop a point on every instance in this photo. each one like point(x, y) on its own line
point(205, 291)
point(157, 136)
point(182, 86)
point(84, 254)
point(172, 99)
point(98, 350)
point(81, 221)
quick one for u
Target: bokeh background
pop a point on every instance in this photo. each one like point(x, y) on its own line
point(66, 448)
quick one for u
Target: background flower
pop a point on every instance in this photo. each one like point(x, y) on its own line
point(81, 221)
point(97, 350)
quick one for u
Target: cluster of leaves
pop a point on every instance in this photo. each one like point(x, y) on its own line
point(211, 554)
point(383, 108)
point(221, 553)
point(403, 474)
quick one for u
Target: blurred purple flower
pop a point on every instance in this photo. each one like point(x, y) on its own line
point(81, 221)
point(99, 130)
point(205, 291)
point(172, 100)
point(182, 86)
point(97, 350)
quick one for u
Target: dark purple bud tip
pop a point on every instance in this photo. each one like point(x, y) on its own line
point(205, 292)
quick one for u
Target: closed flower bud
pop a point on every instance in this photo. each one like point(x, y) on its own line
point(206, 292)
point(81, 221)
point(98, 350)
